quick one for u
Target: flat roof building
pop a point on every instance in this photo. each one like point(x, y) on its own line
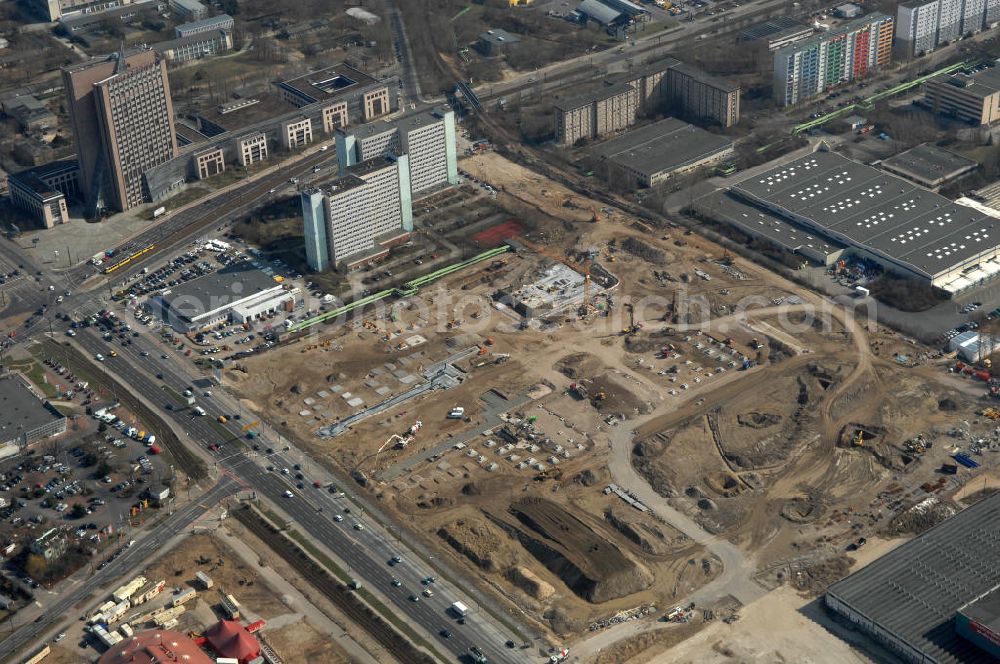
point(30, 112)
point(923, 25)
point(123, 124)
point(426, 138)
point(663, 86)
point(604, 111)
point(24, 416)
point(722, 206)
point(357, 217)
point(334, 83)
point(912, 600)
point(195, 46)
point(973, 98)
point(777, 32)
point(929, 166)
point(979, 622)
point(250, 128)
point(653, 153)
point(220, 22)
point(43, 191)
point(188, 10)
point(845, 53)
point(902, 227)
point(496, 42)
point(240, 292)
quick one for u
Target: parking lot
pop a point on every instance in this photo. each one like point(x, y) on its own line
point(93, 487)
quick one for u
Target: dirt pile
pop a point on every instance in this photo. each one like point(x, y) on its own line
point(757, 420)
point(578, 553)
point(526, 580)
point(648, 537)
point(618, 399)
point(481, 542)
point(726, 485)
point(577, 365)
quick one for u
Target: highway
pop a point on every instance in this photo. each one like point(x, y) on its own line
point(366, 553)
point(145, 546)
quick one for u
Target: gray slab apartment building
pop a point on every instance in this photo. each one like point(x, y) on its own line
point(263, 137)
point(644, 90)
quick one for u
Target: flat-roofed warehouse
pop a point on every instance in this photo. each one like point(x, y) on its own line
point(24, 416)
point(763, 224)
point(238, 292)
point(929, 166)
point(653, 153)
point(912, 599)
point(879, 216)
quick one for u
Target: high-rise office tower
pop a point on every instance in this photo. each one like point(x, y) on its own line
point(123, 124)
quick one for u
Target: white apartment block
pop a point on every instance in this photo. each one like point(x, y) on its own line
point(923, 25)
point(426, 138)
point(355, 218)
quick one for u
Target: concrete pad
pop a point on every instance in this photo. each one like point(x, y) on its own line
point(305, 413)
point(322, 394)
point(376, 372)
point(399, 373)
point(404, 361)
point(355, 402)
point(390, 366)
point(383, 391)
point(372, 383)
point(308, 401)
point(408, 379)
point(337, 389)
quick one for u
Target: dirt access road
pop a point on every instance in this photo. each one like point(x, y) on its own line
point(738, 567)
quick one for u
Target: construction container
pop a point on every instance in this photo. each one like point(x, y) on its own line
point(205, 580)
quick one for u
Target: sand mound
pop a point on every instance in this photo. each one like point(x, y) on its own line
point(526, 580)
point(481, 542)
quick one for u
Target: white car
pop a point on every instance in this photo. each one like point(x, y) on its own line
point(289, 494)
point(358, 526)
point(338, 518)
point(324, 148)
point(98, 357)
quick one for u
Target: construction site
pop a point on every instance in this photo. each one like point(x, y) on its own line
point(573, 419)
point(219, 598)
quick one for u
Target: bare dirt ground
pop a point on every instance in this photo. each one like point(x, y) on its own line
point(300, 642)
point(781, 627)
point(205, 553)
point(768, 459)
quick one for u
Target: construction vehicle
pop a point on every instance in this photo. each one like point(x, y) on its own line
point(579, 391)
point(991, 413)
point(859, 440)
point(633, 326)
point(483, 350)
point(727, 258)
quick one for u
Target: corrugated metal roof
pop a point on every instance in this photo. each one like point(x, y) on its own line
point(914, 591)
point(598, 11)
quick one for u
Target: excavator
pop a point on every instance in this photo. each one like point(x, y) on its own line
point(633, 327)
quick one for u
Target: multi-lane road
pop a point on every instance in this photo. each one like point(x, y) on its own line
point(366, 553)
point(143, 549)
